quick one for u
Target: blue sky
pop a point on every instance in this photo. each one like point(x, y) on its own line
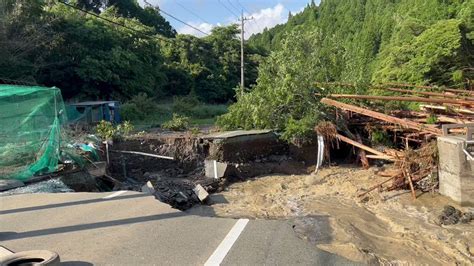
point(206, 14)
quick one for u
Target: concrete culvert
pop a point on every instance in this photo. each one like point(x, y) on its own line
point(32, 257)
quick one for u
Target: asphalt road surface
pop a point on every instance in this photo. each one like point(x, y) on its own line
point(130, 228)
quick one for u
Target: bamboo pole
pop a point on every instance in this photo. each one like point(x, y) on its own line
point(402, 98)
point(146, 154)
point(380, 116)
point(444, 108)
point(360, 145)
point(376, 186)
point(428, 93)
point(410, 182)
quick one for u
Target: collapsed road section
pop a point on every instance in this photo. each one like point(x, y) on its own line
point(210, 161)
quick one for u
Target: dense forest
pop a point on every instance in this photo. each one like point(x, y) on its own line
point(362, 42)
point(116, 49)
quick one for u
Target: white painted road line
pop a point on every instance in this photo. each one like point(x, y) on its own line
point(219, 254)
point(113, 195)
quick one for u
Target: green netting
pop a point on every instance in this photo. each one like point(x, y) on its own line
point(30, 130)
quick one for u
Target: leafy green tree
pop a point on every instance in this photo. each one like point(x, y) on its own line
point(284, 96)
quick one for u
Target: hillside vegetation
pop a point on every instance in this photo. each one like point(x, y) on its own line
point(360, 41)
point(116, 51)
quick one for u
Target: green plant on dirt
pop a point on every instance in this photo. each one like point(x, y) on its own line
point(380, 137)
point(107, 131)
point(195, 131)
point(432, 119)
point(177, 123)
point(125, 128)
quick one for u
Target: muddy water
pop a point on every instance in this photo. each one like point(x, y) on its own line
point(381, 228)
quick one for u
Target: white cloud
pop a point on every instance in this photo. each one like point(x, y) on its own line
point(205, 27)
point(265, 18)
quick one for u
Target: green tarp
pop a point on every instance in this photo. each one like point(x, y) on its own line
point(30, 130)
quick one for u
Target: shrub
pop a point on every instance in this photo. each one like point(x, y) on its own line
point(125, 128)
point(107, 131)
point(138, 108)
point(177, 123)
point(432, 119)
point(380, 137)
point(130, 111)
point(184, 105)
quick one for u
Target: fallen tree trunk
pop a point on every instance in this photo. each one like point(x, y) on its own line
point(402, 98)
point(380, 116)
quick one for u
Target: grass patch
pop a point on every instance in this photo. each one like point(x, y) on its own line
point(158, 113)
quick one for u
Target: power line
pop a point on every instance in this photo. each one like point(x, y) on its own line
point(246, 10)
point(241, 10)
point(232, 5)
point(116, 23)
point(191, 26)
point(250, 13)
point(228, 9)
point(175, 18)
point(192, 12)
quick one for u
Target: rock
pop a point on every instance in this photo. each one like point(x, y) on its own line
point(451, 215)
point(179, 194)
point(6, 184)
point(467, 217)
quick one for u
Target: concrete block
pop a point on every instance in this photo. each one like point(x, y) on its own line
point(450, 185)
point(451, 157)
point(467, 190)
point(213, 168)
point(201, 193)
point(148, 188)
point(456, 173)
point(6, 184)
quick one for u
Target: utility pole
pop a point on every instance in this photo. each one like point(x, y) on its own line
point(242, 65)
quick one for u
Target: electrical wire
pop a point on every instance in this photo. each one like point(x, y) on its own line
point(173, 17)
point(253, 21)
point(116, 23)
point(192, 12)
point(228, 9)
point(232, 5)
point(191, 26)
point(246, 10)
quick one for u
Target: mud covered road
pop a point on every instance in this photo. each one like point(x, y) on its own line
point(386, 227)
